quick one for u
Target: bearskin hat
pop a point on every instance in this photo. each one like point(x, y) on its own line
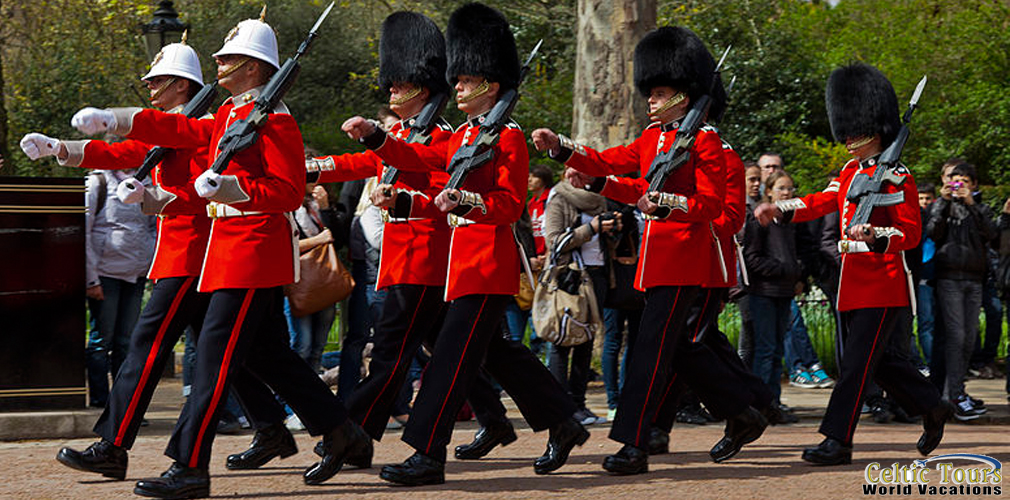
point(674, 57)
point(861, 102)
point(412, 49)
point(480, 43)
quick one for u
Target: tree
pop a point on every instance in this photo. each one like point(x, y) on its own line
point(607, 109)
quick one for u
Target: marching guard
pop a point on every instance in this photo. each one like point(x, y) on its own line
point(874, 290)
point(482, 260)
point(251, 237)
point(183, 229)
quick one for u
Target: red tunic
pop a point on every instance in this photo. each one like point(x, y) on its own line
point(248, 251)
point(730, 221)
point(871, 278)
point(415, 251)
point(483, 258)
point(670, 253)
point(183, 226)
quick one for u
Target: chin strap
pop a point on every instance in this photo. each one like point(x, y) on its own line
point(235, 67)
point(477, 92)
point(671, 102)
point(406, 97)
point(163, 88)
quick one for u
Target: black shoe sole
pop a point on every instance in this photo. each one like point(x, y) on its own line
point(256, 465)
point(465, 454)
point(411, 480)
point(198, 492)
point(579, 441)
point(116, 474)
point(621, 470)
point(820, 461)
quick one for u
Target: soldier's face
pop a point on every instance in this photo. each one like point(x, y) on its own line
point(863, 147)
point(406, 99)
point(161, 98)
point(659, 98)
point(474, 95)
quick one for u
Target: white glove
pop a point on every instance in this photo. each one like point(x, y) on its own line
point(207, 184)
point(93, 120)
point(130, 191)
point(37, 146)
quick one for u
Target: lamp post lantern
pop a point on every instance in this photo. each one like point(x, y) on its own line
point(164, 28)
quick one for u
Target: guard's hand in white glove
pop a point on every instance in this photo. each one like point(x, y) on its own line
point(93, 120)
point(130, 191)
point(207, 184)
point(37, 146)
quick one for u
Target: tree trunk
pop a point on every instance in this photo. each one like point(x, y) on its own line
point(607, 109)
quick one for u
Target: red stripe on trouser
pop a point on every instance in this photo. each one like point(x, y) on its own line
point(701, 316)
point(655, 369)
point(152, 356)
point(459, 365)
point(666, 394)
point(222, 376)
point(859, 395)
point(399, 357)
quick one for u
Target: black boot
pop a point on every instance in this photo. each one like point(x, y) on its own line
point(932, 427)
point(362, 460)
point(269, 442)
point(659, 441)
point(563, 438)
point(741, 429)
point(485, 440)
point(178, 481)
point(628, 460)
point(346, 440)
point(417, 470)
point(102, 458)
point(830, 452)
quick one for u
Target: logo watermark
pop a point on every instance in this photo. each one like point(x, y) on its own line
point(937, 476)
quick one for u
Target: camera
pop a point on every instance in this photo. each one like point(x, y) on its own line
point(954, 186)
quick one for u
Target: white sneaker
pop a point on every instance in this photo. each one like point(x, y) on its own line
point(293, 423)
point(611, 414)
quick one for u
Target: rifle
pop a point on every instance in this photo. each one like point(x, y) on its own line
point(667, 162)
point(420, 132)
point(244, 133)
point(865, 189)
point(195, 108)
point(470, 158)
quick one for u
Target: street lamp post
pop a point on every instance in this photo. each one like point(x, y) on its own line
point(164, 28)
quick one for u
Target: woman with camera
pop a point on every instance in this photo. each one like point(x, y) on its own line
point(574, 221)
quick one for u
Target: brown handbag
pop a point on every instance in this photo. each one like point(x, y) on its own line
point(324, 281)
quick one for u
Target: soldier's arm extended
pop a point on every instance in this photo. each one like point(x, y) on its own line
point(616, 160)
point(171, 130)
point(345, 167)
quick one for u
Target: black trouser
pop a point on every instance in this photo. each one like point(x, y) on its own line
point(874, 349)
point(411, 314)
point(173, 305)
point(468, 337)
point(708, 364)
point(243, 328)
point(650, 364)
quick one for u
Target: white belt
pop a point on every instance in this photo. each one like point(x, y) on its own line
point(850, 246)
point(220, 210)
point(457, 221)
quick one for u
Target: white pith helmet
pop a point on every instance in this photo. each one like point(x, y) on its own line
point(253, 38)
point(176, 59)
